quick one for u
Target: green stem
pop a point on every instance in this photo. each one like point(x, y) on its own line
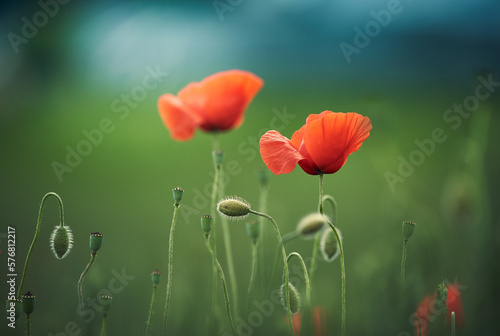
point(37, 231)
point(104, 324)
point(264, 236)
point(403, 260)
point(213, 207)
point(150, 310)
point(320, 203)
point(28, 325)
point(342, 266)
point(224, 286)
point(286, 238)
point(312, 267)
point(286, 273)
point(333, 203)
point(252, 274)
point(306, 277)
point(82, 276)
point(170, 265)
point(419, 326)
point(452, 323)
point(230, 264)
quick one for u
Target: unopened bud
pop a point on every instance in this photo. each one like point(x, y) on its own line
point(61, 241)
point(310, 225)
point(294, 298)
point(253, 229)
point(234, 208)
point(329, 245)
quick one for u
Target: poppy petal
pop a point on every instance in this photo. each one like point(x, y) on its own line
point(330, 138)
point(179, 120)
point(278, 153)
point(220, 100)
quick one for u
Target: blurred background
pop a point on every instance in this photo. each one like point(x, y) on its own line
point(70, 70)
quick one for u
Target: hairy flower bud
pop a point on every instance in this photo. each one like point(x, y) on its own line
point(310, 225)
point(234, 208)
point(61, 241)
point(294, 298)
point(329, 246)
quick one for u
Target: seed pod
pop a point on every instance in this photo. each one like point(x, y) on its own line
point(234, 208)
point(294, 298)
point(28, 303)
point(218, 157)
point(263, 176)
point(408, 229)
point(310, 225)
point(61, 241)
point(105, 302)
point(13, 308)
point(206, 224)
point(95, 241)
point(329, 246)
point(155, 277)
point(253, 229)
point(177, 193)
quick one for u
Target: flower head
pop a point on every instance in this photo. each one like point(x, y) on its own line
point(321, 146)
point(215, 104)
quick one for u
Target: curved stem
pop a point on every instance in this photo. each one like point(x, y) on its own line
point(333, 203)
point(306, 276)
point(342, 266)
point(252, 274)
point(37, 231)
point(148, 323)
point(403, 260)
point(104, 324)
point(170, 265)
point(286, 238)
point(286, 273)
point(82, 276)
point(224, 286)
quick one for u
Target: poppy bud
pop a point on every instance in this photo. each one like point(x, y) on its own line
point(294, 298)
point(218, 157)
point(95, 241)
point(28, 303)
point(61, 241)
point(408, 228)
point(234, 208)
point(253, 229)
point(440, 302)
point(310, 225)
point(206, 224)
point(155, 277)
point(105, 302)
point(13, 307)
point(329, 246)
point(177, 194)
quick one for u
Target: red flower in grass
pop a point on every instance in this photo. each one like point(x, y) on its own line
point(321, 146)
point(319, 321)
point(427, 313)
point(215, 104)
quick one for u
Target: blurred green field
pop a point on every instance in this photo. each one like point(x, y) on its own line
point(123, 190)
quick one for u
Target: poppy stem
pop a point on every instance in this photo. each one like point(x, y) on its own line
point(285, 262)
point(253, 273)
point(286, 238)
point(170, 264)
point(403, 260)
point(224, 285)
point(37, 231)
point(28, 325)
point(93, 256)
point(213, 206)
point(104, 324)
point(452, 323)
point(320, 206)
point(148, 323)
point(306, 277)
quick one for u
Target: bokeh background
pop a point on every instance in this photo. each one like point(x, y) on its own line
point(75, 70)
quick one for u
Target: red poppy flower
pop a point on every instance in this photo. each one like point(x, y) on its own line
point(321, 146)
point(215, 104)
point(427, 313)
